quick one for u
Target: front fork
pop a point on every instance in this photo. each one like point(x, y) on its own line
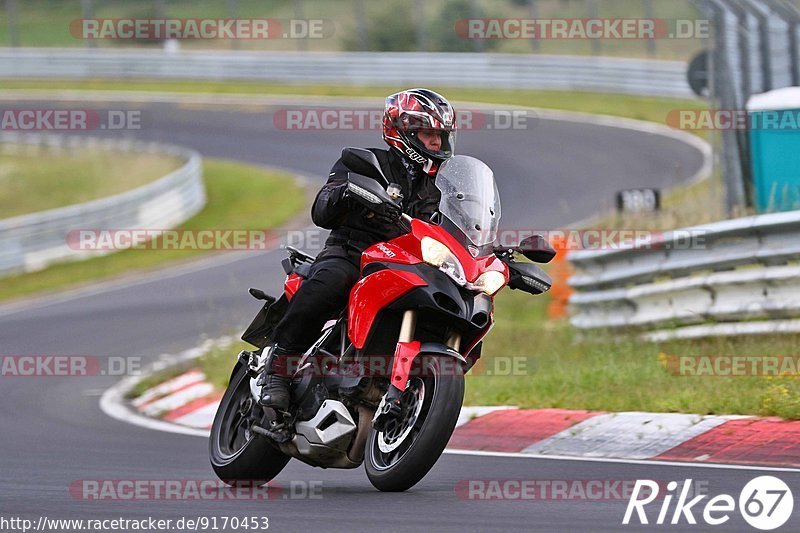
point(407, 350)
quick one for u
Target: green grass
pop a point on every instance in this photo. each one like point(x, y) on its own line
point(608, 371)
point(628, 106)
point(218, 362)
point(239, 197)
point(34, 178)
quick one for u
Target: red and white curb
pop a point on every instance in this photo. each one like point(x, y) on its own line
point(743, 440)
point(187, 404)
point(188, 400)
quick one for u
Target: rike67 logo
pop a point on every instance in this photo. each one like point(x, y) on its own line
point(765, 503)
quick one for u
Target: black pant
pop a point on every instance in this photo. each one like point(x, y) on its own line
point(320, 297)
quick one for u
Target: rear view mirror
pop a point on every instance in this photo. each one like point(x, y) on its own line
point(363, 162)
point(537, 249)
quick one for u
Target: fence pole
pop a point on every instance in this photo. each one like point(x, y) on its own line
point(233, 12)
point(594, 11)
point(13, 23)
point(649, 13)
point(475, 12)
point(533, 12)
point(361, 25)
point(421, 27)
point(87, 11)
point(300, 13)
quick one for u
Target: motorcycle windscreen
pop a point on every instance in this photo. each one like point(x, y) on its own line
point(469, 198)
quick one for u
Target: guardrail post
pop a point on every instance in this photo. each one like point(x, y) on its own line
point(13, 23)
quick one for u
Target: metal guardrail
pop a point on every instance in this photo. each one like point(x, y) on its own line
point(533, 71)
point(33, 241)
point(738, 276)
point(754, 48)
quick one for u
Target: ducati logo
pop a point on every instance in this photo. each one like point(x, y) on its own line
point(473, 250)
point(386, 250)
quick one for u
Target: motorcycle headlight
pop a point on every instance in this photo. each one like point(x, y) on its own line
point(439, 255)
point(489, 282)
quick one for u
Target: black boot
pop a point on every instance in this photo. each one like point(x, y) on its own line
point(275, 381)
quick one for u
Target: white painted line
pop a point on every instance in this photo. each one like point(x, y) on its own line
point(632, 435)
point(112, 403)
point(648, 462)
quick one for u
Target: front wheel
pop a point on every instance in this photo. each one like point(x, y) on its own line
point(397, 458)
point(238, 455)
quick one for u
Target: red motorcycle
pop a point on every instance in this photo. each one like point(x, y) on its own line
point(384, 382)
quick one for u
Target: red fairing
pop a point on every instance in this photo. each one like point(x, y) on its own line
point(373, 293)
point(291, 285)
point(410, 242)
point(404, 357)
point(388, 252)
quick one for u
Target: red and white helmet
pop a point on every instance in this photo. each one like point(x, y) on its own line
point(408, 112)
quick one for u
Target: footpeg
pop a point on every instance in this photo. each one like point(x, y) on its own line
point(278, 429)
point(279, 437)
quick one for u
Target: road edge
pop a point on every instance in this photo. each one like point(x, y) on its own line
point(729, 441)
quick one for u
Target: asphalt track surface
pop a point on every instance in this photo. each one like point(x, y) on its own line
point(54, 433)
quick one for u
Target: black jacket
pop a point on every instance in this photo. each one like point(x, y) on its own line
point(351, 231)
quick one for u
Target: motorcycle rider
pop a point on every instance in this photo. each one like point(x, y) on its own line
point(419, 127)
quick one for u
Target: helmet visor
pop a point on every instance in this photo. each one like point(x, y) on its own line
point(436, 143)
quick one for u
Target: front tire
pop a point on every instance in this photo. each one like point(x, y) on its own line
point(238, 455)
point(399, 457)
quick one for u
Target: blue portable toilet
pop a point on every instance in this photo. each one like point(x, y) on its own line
point(774, 131)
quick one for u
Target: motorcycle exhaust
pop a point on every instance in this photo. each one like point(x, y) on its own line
point(356, 451)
